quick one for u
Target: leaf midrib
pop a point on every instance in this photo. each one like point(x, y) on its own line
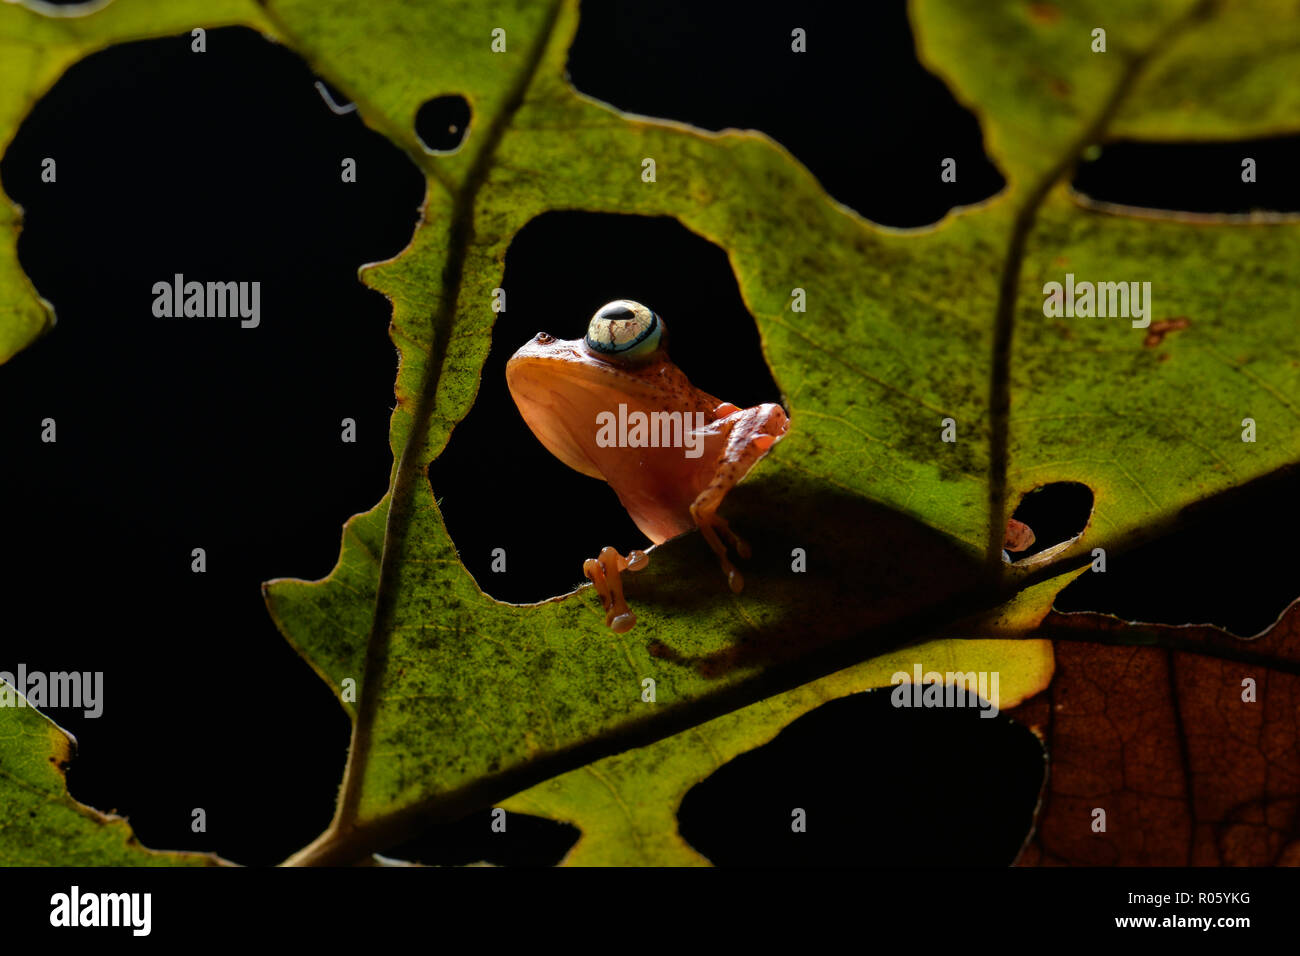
point(412, 460)
point(1009, 283)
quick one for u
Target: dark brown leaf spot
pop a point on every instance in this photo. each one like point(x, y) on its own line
point(1044, 14)
point(1162, 327)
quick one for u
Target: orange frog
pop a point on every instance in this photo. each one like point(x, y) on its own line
point(614, 406)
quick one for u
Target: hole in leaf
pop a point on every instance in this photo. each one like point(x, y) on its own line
point(857, 108)
point(1056, 513)
point(498, 487)
point(880, 785)
point(173, 431)
point(442, 122)
point(527, 841)
point(1195, 177)
point(1232, 566)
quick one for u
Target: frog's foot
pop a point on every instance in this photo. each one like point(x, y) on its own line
point(605, 574)
point(711, 524)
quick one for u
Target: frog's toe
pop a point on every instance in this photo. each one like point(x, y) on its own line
point(734, 578)
point(605, 575)
point(740, 544)
point(711, 525)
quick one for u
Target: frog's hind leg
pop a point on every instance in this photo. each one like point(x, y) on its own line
point(605, 574)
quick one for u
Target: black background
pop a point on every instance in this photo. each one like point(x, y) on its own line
point(181, 434)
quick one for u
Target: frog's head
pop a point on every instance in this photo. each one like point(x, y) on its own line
point(624, 341)
point(562, 385)
point(622, 335)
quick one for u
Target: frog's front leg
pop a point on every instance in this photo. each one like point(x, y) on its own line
point(605, 574)
point(707, 519)
point(752, 434)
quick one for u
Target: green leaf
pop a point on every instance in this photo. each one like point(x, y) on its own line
point(40, 823)
point(473, 688)
point(1172, 69)
point(1040, 109)
point(626, 805)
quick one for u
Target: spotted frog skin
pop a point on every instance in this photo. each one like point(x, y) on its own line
point(584, 398)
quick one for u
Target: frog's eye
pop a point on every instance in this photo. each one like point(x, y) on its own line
point(625, 330)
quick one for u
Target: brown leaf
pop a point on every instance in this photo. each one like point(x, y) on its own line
point(1160, 738)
